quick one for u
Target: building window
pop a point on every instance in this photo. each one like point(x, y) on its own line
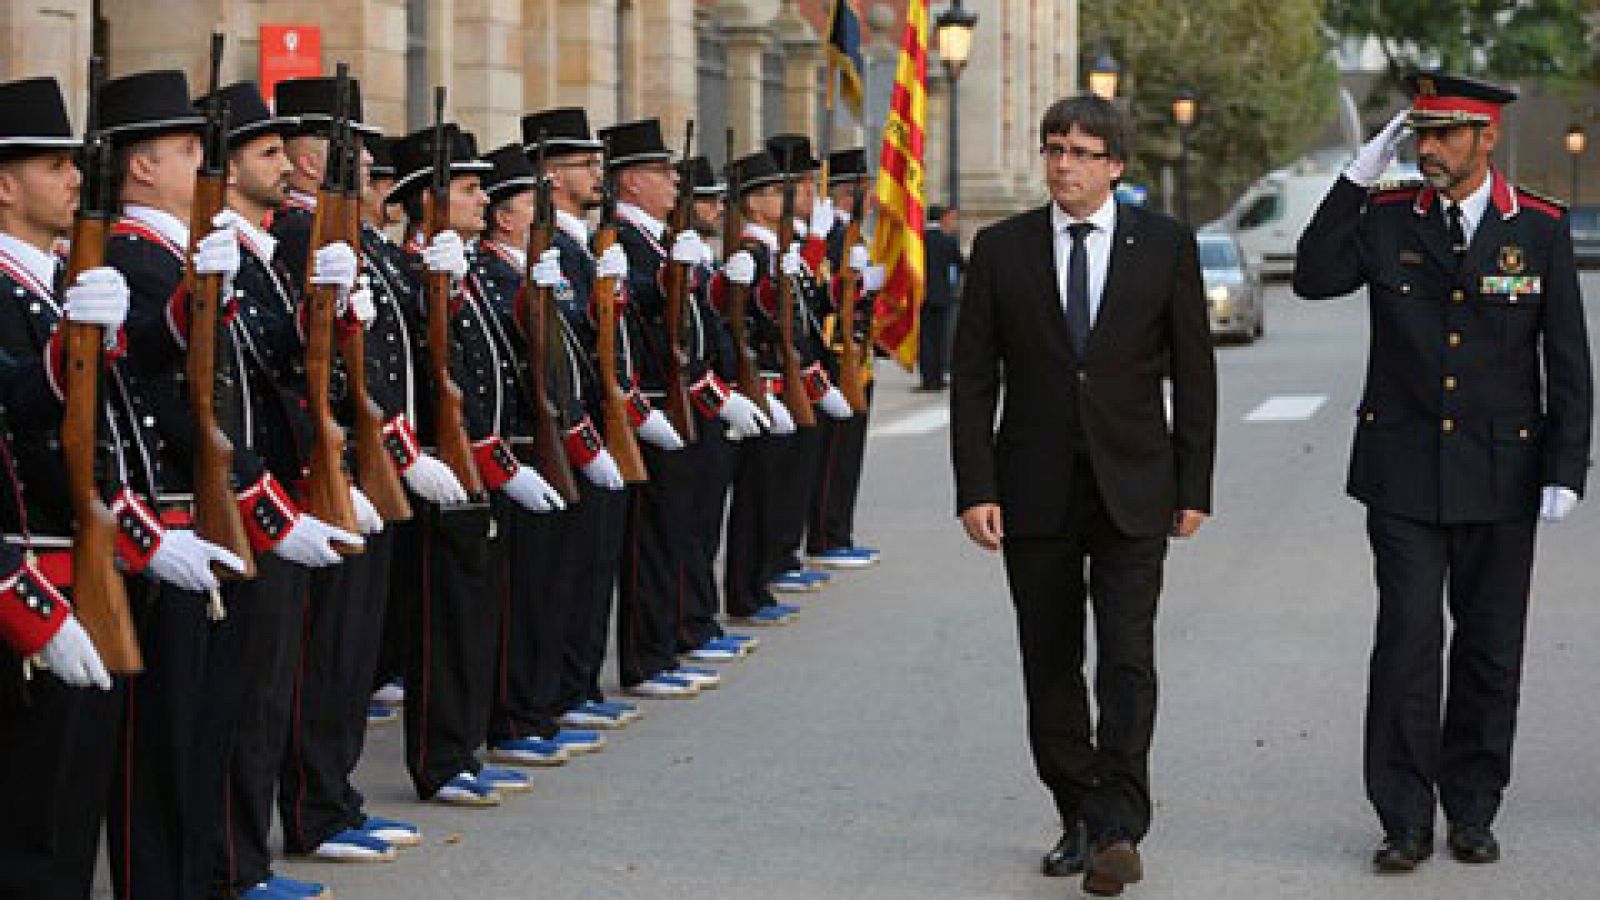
point(772, 91)
point(711, 76)
point(419, 100)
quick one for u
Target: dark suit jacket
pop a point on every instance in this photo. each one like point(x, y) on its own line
point(944, 267)
point(1012, 336)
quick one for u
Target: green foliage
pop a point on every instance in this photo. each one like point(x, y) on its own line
point(1260, 70)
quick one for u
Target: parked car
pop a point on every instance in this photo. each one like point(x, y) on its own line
point(1234, 295)
point(1585, 222)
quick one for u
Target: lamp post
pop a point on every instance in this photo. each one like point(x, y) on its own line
point(1103, 75)
point(1576, 142)
point(1183, 111)
point(955, 27)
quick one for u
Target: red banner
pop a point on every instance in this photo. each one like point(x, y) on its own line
point(289, 51)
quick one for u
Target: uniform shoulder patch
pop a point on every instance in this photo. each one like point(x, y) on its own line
point(1395, 190)
point(1550, 206)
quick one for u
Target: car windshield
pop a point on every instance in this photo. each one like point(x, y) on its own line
point(1585, 219)
point(1218, 254)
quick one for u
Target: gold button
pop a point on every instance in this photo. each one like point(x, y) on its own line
point(1522, 433)
point(1405, 288)
point(1449, 382)
point(1454, 339)
point(1448, 425)
point(1458, 296)
point(1372, 417)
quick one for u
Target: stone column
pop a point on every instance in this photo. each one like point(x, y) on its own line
point(539, 75)
point(670, 87)
point(55, 41)
point(587, 69)
point(803, 55)
point(487, 86)
point(745, 45)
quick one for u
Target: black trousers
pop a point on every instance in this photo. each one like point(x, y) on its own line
point(651, 590)
point(933, 344)
point(753, 518)
point(597, 586)
point(794, 484)
point(712, 460)
point(56, 748)
point(1411, 751)
point(833, 507)
point(450, 664)
point(332, 687)
point(166, 802)
point(269, 613)
point(1098, 772)
point(533, 625)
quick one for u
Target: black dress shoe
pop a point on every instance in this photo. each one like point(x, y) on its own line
point(1473, 844)
point(1402, 851)
point(1113, 864)
point(1066, 858)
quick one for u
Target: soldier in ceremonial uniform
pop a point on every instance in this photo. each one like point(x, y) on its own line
point(1473, 425)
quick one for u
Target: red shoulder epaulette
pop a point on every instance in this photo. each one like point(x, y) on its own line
point(1386, 192)
point(1550, 206)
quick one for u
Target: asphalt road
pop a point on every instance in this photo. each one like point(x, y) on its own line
point(875, 749)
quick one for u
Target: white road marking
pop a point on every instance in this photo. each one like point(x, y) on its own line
point(925, 421)
point(1287, 408)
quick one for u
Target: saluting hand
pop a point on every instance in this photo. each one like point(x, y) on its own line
point(1378, 153)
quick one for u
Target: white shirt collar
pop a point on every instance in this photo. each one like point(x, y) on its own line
point(301, 198)
point(842, 216)
point(1103, 219)
point(517, 255)
point(36, 262)
point(1474, 205)
point(763, 234)
point(655, 227)
point(164, 223)
point(257, 239)
point(576, 228)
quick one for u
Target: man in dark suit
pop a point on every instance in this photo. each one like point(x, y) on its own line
point(1076, 310)
point(1474, 422)
point(943, 271)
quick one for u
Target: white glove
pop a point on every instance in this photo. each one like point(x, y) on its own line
point(613, 263)
point(860, 259)
point(872, 280)
point(782, 422)
point(433, 481)
point(218, 254)
point(659, 432)
point(531, 492)
point(822, 218)
point(741, 268)
point(547, 271)
point(791, 263)
point(230, 218)
point(359, 301)
point(183, 560)
point(310, 542)
point(1376, 155)
point(1557, 502)
point(602, 472)
point(446, 253)
point(688, 248)
point(98, 297)
point(71, 657)
point(367, 519)
point(834, 404)
point(743, 416)
point(335, 264)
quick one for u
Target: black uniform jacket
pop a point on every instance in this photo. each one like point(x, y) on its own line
point(1478, 387)
point(1013, 334)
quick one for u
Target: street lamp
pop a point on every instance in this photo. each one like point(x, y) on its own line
point(1183, 111)
point(1576, 142)
point(955, 26)
point(1103, 76)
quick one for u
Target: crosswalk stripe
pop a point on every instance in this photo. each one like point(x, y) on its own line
point(925, 421)
point(1287, 408)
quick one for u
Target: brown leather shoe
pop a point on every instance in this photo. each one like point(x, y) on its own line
point(1112, 865)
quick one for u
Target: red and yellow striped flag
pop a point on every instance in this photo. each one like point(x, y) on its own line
point(897, 241)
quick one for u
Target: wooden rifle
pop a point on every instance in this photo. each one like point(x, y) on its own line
point(794, 389)
point(99, 598)
point(851, 383)
point(676, 283)
point(620, 442)
point(375, 471)
point(747, 372)
point(535, 313)
point(216, 510)
point(450, 433)
point(327, 489)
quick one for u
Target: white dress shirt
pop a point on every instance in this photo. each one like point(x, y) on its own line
point(1473, 206)
point(1097, 244)
point(576, 228)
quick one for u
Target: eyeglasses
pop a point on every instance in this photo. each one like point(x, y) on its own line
point(595, 164)
point(1055, 152)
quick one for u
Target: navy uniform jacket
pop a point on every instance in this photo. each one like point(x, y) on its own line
point(502, 280)
point(578, 267)
point(267, 338)
point(647, 302)
point(1478, 387)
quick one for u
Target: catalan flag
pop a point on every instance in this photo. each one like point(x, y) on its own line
point(844, 53)
point(897, 241)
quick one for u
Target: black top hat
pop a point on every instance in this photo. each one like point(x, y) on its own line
point(847, 165)
point(1441, 100)
point(565, 129)
point(413, 158)
point(248, 116)
point(314, 100)
point(146, 104)
point(512, 172)
point(36, 118)
point(793, 150)
point(633, 143)
point(382, 150)
point(755, 170)
point(705, 178)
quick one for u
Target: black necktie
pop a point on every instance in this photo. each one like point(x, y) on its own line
point(1078, 287)
point(1458, 234)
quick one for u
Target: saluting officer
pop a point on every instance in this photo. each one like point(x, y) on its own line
point(1474, 423)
